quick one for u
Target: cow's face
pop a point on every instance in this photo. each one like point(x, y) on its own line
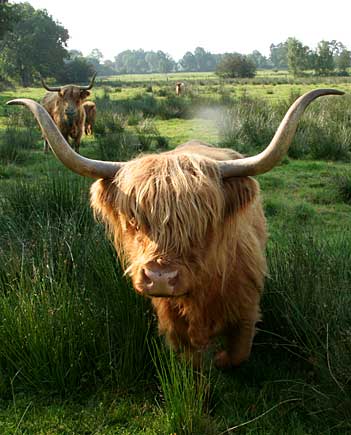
point(168, 215)
point(70, 100)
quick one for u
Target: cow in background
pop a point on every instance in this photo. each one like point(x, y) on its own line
point(65, 106)
point(179, 88)
point(90, 116)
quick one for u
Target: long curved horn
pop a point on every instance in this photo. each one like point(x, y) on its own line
point(50, 88)
point(91, 84)
point(277, 149)
point(74, 161)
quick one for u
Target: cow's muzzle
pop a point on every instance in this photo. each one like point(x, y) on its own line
point(70, 115)
point(160, 281)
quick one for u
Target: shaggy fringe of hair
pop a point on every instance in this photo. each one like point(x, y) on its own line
point(157, 194)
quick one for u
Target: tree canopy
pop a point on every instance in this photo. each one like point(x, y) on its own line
point(33, 43)
point(234, 65)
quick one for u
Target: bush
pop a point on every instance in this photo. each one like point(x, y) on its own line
point(343, 184)
point(236, 65)
point(323, 132)
point(117, 146)
point(147, 133)
point(15, 142)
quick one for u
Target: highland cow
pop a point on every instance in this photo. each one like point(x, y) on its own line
point(179, 88)
point(65, 106)
point(90, 116)
point(189, 228)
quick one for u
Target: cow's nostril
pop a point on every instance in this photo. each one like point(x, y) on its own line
point(146, 278)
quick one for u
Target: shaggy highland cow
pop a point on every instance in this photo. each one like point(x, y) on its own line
point(90, 116)
point(65, 106)
point(189, 228)
point(179, 88)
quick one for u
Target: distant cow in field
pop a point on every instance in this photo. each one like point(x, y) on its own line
point(65, 106)
point(189, 227)
point(179, 88)
point(90, 116)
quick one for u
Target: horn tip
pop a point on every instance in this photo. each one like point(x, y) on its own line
point(17, 101)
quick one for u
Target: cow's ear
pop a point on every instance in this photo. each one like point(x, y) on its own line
point(84, 94)
point(60, 93)
point(239, 192)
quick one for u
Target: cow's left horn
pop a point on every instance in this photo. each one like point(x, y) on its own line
point(277, 149)
point(91, 84)
point(50, 88)
point(74, 161)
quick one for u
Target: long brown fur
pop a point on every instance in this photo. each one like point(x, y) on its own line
point(175, 206)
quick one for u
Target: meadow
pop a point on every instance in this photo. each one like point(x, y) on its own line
point(79, 350)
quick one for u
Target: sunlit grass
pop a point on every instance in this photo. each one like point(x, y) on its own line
point(75, 339)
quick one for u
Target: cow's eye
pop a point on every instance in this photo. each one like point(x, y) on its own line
point(133, 223)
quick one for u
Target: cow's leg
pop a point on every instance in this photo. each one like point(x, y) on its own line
point(76, 142)
point(176, 330)
point(179, 341)
point(239, 344)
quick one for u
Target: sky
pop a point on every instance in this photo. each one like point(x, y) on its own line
point(218, 26)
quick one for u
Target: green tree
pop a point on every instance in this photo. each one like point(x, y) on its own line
point(139, 61)
point(77, 70)
point(188, 62)
point(153, 61)
point(35, 44)
point(298, 56)
point(235, 65)
point(343, 61)
point(279, 55)
point(259, 60)
point(204, 59)
point(166, 63)
point(9, 15)
point(324, 59)
point(75, 53)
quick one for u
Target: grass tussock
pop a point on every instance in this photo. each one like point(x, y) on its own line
point(324, 132)
point(185, 393)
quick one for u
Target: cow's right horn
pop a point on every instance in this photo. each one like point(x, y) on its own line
point(74, 161)
point(90, 84)
point(278, 148)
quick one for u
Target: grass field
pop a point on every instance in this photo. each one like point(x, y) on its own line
point(79, 351)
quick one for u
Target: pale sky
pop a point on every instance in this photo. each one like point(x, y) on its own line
point(216, 25)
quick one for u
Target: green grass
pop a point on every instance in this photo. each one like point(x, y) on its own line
point(77, 345)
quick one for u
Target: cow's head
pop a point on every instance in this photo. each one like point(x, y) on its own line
point(70, 98)
point(167, 212)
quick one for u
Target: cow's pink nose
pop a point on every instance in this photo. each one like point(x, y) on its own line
point(159, 281)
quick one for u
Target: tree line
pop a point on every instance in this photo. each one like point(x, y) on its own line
point(32, 43)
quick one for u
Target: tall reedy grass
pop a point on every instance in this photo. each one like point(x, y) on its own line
point(19, 136)
point(123, 133)
point(324, 131)
point(306, 308)
point(184, 391)
point(69, 320)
